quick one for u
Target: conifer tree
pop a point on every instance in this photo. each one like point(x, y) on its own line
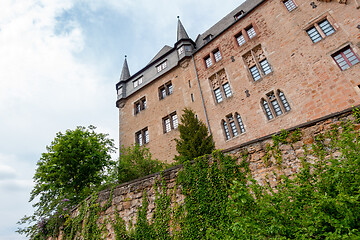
point(194, 139)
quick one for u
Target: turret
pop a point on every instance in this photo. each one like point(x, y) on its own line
point(121, 85)
point(184, 45)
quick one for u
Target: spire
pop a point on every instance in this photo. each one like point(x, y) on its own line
point(125, 73)
point(181, 32)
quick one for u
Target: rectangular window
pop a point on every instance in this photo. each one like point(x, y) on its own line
point(137, 82)
point(217, 55)
point(119, 92)
point(320, 30)
point(255, 73)
point(268, 112)
point(257, 63)
point(161, 67)
point(226, 130)
point(227, 90)
point(165, 90)
point(290, 5)
point(314, 34)
point(251, 32)
point(218, 95)
point(240, 39)
point(345, 58)
point(326, 27)
point(142, 137)
point(181, 50)
point(140, 105)
point(170, 122)
point(265, 67)
point(240, 122)
point(208, 61)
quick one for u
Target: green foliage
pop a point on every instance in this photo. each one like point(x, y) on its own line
point(206, 189)
point(136, 162)
point(194, 139)
point(356, 114)
point(73, 166)
point(322, 201)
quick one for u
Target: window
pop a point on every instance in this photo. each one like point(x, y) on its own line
point(181, 50)
point(290, 5)
point(251, 32)
point(239, 15)
point(165, 90)
point(320, 30)
point(208, 38)
point(142, 136)
point(240, 39)
point(119, 92)
point(275, 104)
point(162, 66)
point(170, 122)
point(139, 105)
point(217, 55)
point(137, 82)
point(257, 63)
point(220, 86)
point(233, 126)
point(208, 61)
point(345, 58)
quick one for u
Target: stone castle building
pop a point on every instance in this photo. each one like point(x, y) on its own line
point(267, 65)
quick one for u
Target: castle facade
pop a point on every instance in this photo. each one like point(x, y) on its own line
point(267, 65)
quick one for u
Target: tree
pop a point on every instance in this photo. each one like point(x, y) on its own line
point(135, 162)
point(75, 164)
point(194, 139)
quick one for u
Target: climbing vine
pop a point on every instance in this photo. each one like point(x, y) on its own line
point(222, 200)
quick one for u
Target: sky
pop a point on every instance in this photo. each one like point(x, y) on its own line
point(59, 63)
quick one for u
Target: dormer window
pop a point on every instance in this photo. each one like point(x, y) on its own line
point(239, 15)
point(208, 38)
point(137, 82)
point(161, 66)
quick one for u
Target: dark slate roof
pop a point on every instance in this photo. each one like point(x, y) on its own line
point(226, 22)
point(181, 32)
point(162, 52)
point(125, 73)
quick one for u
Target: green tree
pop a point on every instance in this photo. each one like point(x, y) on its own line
point(135, 162)
point(194, 139)
point(75, 164)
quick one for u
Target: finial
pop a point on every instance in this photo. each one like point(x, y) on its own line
point(125, 56)
point(178, 17)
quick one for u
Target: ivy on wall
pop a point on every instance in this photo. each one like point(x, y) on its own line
point(223, 201)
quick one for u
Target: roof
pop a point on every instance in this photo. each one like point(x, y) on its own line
point(226, 21)
point(162, 52)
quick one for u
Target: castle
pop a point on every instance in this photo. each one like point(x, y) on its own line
point(267, 65)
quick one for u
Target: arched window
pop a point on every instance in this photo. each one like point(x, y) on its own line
point(233, 125)
point(275, 104)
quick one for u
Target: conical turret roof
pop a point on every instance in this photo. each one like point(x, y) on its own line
point(181, 32)
point(125, 73)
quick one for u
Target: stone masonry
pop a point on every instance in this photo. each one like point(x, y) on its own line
point(127, 197)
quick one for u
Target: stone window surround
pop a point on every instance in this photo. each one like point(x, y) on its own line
point(271, 108)
point(211, 55)
point(255, 57)
point(142, 136)
point(140, 105)
point(342, 47)
point(292, 1)
point(244, 33)
point(240, 126)
point(172, 120)
point(314, 23)
point(217, 81)
point(168, 88)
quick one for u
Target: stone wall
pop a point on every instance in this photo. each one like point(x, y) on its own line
point(127, 197)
